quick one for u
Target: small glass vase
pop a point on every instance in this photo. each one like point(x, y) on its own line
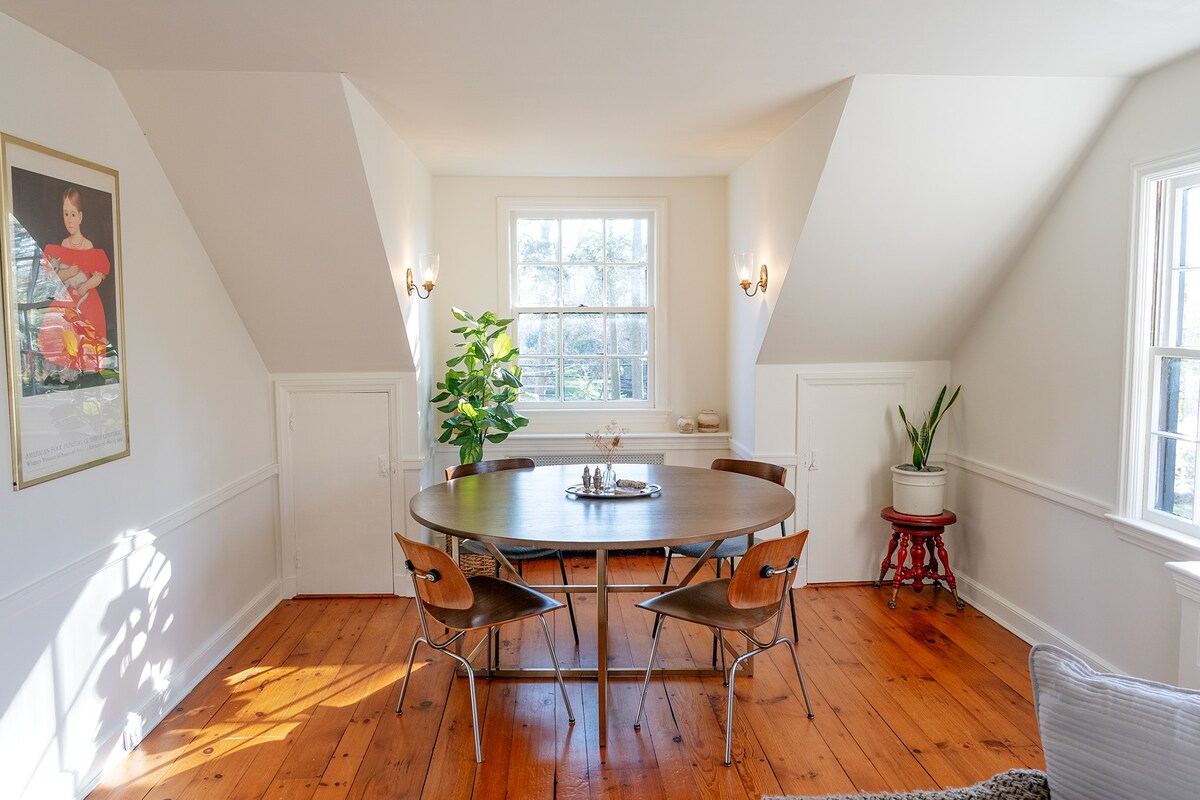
point(608, 481)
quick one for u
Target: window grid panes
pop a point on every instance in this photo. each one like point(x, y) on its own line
point(1174, 435)
point(583, 301)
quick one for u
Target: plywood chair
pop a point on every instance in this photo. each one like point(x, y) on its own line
point(736, 546)
point(752, 597)
point(463, 604)
point(514, 553)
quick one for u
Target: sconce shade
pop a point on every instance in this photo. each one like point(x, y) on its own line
point(430, 266)
point(431, 263)
point(743, 265)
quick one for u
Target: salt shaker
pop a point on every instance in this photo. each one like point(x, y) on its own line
point(587, 479)
point(596, 480)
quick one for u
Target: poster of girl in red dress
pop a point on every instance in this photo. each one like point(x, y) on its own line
point(62, 304)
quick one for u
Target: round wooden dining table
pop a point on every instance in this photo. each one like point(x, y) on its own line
point(531, 507)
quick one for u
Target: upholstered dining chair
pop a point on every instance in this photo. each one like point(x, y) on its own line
point(752, 597)
point(736, 546)
point(514, 553)
point(463, 604)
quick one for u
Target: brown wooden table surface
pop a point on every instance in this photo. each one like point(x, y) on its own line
point(532, 507)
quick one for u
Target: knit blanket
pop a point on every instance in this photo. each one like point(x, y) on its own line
point(1016, 784)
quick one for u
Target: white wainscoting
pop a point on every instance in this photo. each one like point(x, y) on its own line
point(113, 641)
point(1044, 563)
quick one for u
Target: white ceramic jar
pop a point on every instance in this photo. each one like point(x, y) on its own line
point(708, 421)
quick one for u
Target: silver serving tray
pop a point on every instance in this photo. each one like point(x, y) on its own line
point(621, 494)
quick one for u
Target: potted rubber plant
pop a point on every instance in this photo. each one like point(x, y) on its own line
point(480, 386)
point(918, 487)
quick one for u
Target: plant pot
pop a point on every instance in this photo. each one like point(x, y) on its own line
point(921, 494)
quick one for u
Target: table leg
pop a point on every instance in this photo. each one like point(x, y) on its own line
point(602, 644)
point(887, 560)
point(900, 559)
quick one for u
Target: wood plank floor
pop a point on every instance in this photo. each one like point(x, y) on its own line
point(302, 709)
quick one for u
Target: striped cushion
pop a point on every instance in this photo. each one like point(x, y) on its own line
point(1108, 737)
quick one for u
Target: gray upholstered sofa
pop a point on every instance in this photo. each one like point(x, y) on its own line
point(1106, 737)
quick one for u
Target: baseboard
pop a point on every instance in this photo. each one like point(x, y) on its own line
point(110, 745)
point(1023, 624)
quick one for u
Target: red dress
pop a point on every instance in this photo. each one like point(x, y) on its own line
point(73, 333)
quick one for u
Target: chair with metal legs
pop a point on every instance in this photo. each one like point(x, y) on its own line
point(752, 597)
point(736, 546)
point(514, 553)
point(465, 604)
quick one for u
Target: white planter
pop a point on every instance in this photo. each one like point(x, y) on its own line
point(921, 494)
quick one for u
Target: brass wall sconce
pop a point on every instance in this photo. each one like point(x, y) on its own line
point(430, 264)
point(743, 265)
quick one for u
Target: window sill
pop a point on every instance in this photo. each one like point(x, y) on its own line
point(1155, 538)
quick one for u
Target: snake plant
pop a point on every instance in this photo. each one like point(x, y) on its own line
point(922, 438)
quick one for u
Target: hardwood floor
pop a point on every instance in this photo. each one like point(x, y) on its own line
point(302, 709)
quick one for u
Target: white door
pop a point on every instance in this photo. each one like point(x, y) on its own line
point(848, 432)
point(341, 492)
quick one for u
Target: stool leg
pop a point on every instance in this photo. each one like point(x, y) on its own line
point(932, 570)
point(917, 556)
point(941, 551)
point(900, 571)
point(887, 560)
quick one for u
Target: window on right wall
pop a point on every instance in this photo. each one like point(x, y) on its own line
point(1163, 360)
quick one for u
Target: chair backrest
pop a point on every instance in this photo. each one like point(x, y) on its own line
point(755, 469)
point(438, 579)
point(749, 588)
point(480, 467)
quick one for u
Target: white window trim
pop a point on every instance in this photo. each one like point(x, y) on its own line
point(1154, 531)
point(659, 408)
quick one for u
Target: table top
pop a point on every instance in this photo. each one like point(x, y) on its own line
point(531, 507)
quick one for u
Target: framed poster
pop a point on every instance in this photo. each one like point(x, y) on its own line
point(63, 315)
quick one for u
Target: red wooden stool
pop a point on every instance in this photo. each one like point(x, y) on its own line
point(907, 528)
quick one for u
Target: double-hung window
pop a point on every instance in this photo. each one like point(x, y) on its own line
point(583, 284)
point(1164, 406)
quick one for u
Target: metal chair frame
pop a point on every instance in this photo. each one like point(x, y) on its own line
point(433, 576)
point(758, 647)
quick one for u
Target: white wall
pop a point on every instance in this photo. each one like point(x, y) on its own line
point(698, 274)
point(122, 585)
point(1039, 425)
point(769, 200)
point(402, 194)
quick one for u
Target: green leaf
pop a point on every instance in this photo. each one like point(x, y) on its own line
point(471, 452)
point(502, 346)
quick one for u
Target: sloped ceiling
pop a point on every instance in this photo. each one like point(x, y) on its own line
point(931, 186)
point(268, 168)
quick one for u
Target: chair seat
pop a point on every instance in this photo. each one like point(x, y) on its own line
point(707, 603)
point(513, 552)
point(496, 602)
point(733, 547)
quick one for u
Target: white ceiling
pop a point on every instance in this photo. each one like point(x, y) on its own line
point(618, 87)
